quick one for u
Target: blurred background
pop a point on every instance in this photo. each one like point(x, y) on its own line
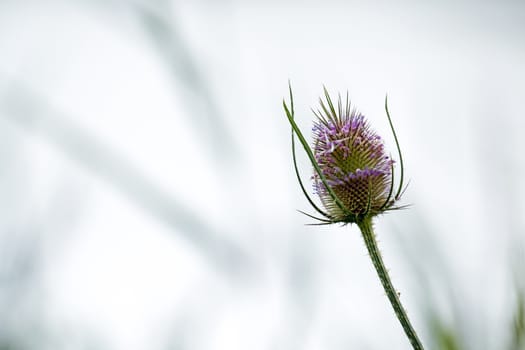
point(148, 198)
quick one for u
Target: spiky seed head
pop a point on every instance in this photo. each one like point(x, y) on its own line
point(353, 160)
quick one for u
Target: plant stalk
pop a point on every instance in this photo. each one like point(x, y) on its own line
point(371, 244)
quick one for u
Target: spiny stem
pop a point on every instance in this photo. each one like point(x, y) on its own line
point(368, 234)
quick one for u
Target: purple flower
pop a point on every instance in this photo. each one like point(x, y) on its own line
point(352, 158)
point(353, 174)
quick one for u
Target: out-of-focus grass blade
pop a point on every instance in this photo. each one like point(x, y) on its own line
point(160, 28)
point(26, 109)
point(445, 337)
point(518, 326)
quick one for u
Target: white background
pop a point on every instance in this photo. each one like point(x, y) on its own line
point(147, 194)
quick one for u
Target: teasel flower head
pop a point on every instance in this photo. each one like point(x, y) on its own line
point(353, 173)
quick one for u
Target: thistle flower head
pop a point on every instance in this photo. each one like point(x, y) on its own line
point(353, 160)
point(353, 174)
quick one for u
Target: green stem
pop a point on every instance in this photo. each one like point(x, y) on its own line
point(371, 244)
